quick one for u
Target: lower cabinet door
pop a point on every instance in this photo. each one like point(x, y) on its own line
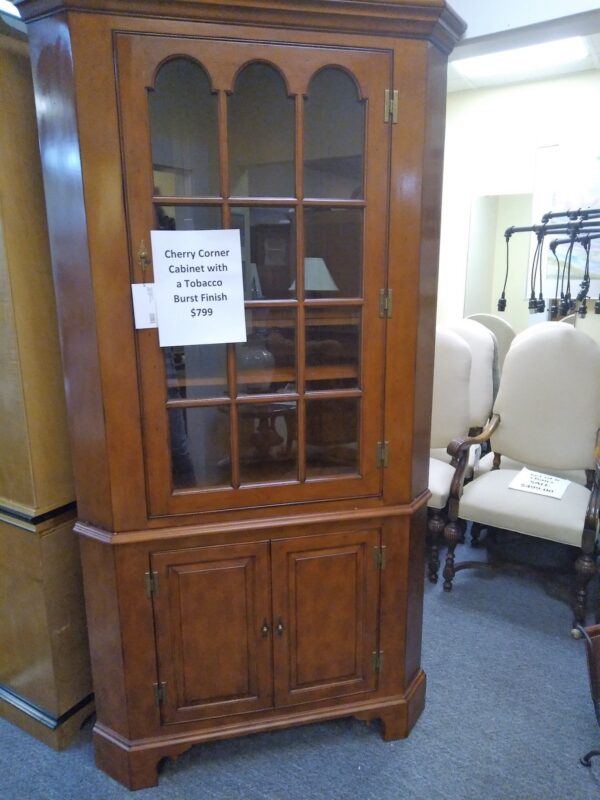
point(212, 614)
point(325, 614)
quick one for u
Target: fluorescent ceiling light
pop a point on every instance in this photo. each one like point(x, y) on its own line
point(534, 58)
point(8, 8)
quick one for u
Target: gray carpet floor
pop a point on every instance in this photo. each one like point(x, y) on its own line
point(508, 715)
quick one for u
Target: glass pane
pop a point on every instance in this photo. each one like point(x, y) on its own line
point(333, 242)
point(183, 130)
point(268, 446)
point(267, 361)
point(331, 436)
point(332, 348)
point(268, 239)
point(334, 135)
point(261, 135)
point(188, 218)
point(196, 371)
point(200, 447)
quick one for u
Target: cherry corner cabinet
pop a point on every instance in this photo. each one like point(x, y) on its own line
point(251, 515)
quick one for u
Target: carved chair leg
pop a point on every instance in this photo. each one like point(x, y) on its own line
point(476, 528)
point(586, 759)
point(435, 526)
point(453, 534)
point(585, 569)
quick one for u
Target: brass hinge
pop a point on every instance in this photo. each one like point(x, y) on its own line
point(377, 660)
point(383, 451)
point(160, 692)
point(151, 583)
point(390, 106)
point(379, 556)
point(386, 297)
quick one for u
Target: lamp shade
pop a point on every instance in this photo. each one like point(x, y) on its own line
point(317, 277)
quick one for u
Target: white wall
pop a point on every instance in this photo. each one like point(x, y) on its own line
point(499, 15)
point(494, 138)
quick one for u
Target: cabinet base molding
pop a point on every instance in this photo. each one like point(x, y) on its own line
point(134, 763)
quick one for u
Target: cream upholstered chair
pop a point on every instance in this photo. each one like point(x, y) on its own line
point(502, 330)
point(483, 382)
point(546, 415)
point(486, 463)
point(449, 418)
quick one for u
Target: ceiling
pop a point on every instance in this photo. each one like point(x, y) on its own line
point(507, 24)
point(496, 31)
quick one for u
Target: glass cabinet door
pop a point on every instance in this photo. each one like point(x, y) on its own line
point(288, 145)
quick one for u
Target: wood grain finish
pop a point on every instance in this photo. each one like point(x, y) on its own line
point(37, 477)
point(213, 615)
point(279, 603)
point(428, 19)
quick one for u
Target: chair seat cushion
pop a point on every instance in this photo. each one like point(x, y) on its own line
point(489, 501)
point(440, 480)
point(486, 463)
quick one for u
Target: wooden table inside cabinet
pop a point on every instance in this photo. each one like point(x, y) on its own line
point(172, 677)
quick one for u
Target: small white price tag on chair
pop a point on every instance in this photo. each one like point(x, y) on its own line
point(539, 483)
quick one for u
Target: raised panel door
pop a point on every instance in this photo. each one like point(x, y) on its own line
point(211, 612)
point(325, 615)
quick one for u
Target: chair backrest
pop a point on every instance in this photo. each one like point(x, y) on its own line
point(502, 330)
point(549, 398)
point(483, 382)
point(450, 407)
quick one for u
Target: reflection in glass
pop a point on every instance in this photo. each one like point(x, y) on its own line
point(334, 134)
point(332, 436)
point(332, 348)
point(268, 240)
point(195, 371)
point(335, 235)
point(200, 447)
point(187, 218)
point(268, 446)
point(266, 362)
point(261, 134)
point(183, 129)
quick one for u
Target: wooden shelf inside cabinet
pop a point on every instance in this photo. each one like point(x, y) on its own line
point(276, 375)
point(249, 562)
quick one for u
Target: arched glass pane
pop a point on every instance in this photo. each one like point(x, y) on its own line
point(261, 135)
point(184, 132)
point(334, 134)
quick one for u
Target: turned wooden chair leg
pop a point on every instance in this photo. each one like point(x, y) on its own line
point(586, 759)
point(453, 534)
point(585, 569)
point(476, 529)
point(435, 526)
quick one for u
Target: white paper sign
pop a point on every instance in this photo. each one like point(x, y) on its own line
point(144, 307)
point(539, 483)
point(199, 288)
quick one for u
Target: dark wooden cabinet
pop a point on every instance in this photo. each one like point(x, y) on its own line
point(252, 515)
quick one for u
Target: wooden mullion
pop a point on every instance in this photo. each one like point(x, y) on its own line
point(234, 447)
point(234, 427)
point(186, 201)
point(334, 202)
point(243, 202)
point(300, 320)
point(333, 394)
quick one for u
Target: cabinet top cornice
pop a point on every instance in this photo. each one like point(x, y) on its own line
point(427, 19)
